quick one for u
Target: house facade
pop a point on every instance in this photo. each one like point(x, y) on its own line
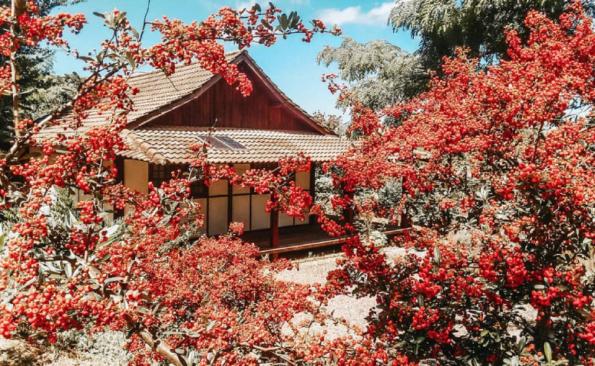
point(172, 113)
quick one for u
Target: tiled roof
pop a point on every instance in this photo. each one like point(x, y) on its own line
point(156, 91)
point(167, 144)
point(163, 145)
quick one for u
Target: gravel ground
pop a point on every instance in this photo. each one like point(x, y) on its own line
point(311, 270)
point(355, 311)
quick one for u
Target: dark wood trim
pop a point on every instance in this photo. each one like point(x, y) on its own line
point(274, 227)
point(318, 244)
point(208, 215)
point(349, 212)
point(260, 75)
point(251, 195)
point(119, 162)
point(283, 99)
point(229, 203)
point(312, 219)
point(174, 105)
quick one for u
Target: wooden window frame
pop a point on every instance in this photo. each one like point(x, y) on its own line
point(161, 173)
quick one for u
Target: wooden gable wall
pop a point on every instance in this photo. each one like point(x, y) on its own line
point(261, 110)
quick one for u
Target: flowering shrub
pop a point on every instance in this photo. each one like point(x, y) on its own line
point(68, 265)
point(498, 273)
point(503, 159)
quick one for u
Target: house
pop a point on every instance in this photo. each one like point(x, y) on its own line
point(251, 132)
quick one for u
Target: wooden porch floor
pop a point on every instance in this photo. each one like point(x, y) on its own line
point(299, 238)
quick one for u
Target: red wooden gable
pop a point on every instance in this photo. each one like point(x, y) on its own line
point(217, 104)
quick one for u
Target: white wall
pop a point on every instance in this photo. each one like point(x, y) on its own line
point(241, 211)
point(241, 169)
point(217, 215)
point(136, 175)
point(219, 188)
point(260, 218)
point(302, 179)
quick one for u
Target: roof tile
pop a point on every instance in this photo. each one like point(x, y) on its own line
point(170, 145)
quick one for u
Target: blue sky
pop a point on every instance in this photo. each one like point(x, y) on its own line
point(290, 63)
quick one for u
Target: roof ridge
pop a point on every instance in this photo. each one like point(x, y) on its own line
point(232, 54)
point(276, 87)
point(146, 148)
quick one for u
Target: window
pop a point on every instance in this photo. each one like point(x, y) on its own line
point(162, 173)
point(267, 166)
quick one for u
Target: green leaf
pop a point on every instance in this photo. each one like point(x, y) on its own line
point(121, 17)
point(100, 15)
point(131, 60)
point(85, 58)
point(191, 358)
point(547, 350)
point(104, 258)
point(113, 279)
point(283, 22)
point(68, 269)
point(437, 255)
point(266, 24)
point(135, 33)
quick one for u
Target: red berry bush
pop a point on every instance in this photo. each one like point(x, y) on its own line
point(497, 171)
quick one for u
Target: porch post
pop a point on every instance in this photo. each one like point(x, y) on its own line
point(120, 179)
point(405, 219)
point(349, 212)
point(313, 219)
point(274, 228)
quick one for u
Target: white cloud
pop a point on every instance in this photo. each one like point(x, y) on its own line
point(248, 4)
point(245, 4)
point(355, 15)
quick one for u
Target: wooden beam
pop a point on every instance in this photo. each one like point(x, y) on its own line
point(119, 162)
point(318, 244)
point(405, 219)
point(229, 203)
point(313, 218)
point(281, 97)
point(141, 121)
point(274, 228)
point(349, 212)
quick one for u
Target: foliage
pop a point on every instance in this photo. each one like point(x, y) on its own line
point(41, 89)
point(99, 348)
point(498, 154)
point(501, 272)
point(68, 265)
point(379, 73)
point(332, 122)
point(479, 25)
